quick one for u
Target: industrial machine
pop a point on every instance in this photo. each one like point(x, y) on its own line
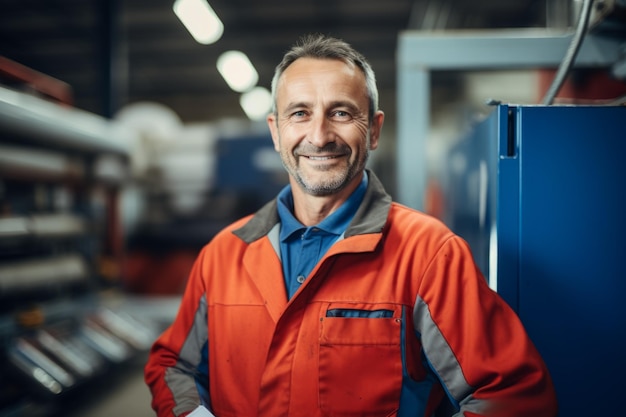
point(538, 192)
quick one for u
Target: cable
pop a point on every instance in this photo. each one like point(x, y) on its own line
point(570, 56)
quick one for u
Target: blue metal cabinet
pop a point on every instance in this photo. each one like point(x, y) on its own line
point(539, 195)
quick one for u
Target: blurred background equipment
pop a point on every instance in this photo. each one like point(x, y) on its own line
point(188, 182)
point(61, 249)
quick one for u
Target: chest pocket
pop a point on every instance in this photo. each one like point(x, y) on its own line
point(360, 368)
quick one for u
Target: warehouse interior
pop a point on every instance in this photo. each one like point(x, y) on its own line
point(123, 150)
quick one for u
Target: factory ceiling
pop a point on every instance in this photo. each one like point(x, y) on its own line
point(112, 53)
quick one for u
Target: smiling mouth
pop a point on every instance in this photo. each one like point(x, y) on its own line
point(321, 158)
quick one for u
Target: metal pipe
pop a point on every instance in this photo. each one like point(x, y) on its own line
point(42, 273)
point(55, 126)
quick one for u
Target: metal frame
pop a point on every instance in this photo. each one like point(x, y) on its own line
point(419, 53)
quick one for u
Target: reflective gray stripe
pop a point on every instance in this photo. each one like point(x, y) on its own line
point(439, 352)
point(472, 405)
point(444, 361)
point(180, 378)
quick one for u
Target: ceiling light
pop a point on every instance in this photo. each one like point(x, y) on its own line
point(237, 70)
point(200, 20)
point(257, 103)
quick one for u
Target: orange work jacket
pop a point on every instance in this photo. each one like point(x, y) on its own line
point(394, 318)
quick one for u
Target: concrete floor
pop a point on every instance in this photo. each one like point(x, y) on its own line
point(125, 394)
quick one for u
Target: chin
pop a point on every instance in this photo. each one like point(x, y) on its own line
point(325, 187)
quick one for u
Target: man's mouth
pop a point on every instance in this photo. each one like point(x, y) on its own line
point(321, 158)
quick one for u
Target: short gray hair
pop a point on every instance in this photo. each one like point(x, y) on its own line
point(325, 47)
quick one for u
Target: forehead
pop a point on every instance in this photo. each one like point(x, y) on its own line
point(320, 64)
point(328, 75)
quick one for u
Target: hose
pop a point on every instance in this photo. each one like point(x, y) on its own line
point(570, 56)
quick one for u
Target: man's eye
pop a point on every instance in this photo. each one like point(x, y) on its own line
point(342, 114)
point(299, 113)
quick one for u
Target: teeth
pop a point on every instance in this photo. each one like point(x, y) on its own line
point(320, 158)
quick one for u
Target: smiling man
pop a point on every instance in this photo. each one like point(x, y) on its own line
point(332, 300)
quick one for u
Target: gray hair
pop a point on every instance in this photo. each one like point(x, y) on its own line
point(324, 47)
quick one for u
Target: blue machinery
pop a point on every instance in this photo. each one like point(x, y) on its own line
point(547, 229)
point(540, 199)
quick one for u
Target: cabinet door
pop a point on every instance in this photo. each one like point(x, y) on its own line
point(571, 282)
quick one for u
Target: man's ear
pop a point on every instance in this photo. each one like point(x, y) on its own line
point(375, 128)
point(273, 126)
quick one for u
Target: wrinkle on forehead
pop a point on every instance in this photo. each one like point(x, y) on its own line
point(331, 80)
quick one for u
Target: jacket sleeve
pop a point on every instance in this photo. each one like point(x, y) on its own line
point(176, 371)
point(476, 343)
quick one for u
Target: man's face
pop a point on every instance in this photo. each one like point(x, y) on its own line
point(321, 127)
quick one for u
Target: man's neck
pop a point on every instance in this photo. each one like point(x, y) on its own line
point(311, 210)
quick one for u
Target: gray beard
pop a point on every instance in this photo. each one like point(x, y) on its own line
point(330, 188)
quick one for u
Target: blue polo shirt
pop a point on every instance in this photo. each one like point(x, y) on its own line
point(302, 247)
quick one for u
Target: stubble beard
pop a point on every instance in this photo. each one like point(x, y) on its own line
point(334, 183)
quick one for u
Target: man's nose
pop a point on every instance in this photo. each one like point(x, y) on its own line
point(321, 131)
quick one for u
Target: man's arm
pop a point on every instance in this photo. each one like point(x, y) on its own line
point(476, 343)
point(177, 370)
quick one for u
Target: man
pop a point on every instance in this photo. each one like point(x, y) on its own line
point(332, 300)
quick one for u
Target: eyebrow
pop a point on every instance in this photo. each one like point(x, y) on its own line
point(296, 105)
point(347, 104)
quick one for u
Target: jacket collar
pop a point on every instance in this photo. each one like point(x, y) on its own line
point(369, 218)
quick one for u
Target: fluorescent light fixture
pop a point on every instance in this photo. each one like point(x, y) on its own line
point(237, 70)
point(200, 20)
point(257, 103)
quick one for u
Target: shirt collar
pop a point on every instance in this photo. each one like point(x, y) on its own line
point(336, 223)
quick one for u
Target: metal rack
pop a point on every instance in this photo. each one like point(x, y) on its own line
point(61, 173)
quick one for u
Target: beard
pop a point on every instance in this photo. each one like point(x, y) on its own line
point(333, 178)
